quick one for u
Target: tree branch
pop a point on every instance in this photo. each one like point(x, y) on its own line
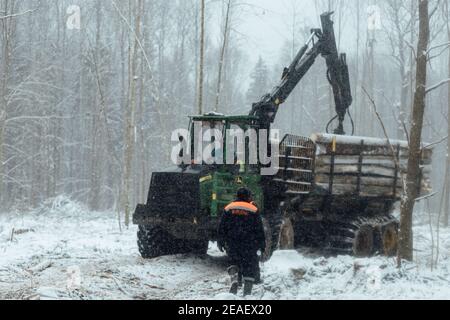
point(394, 154)
point(437, 86)
point(15, 15)
point(155, 95)
point(412, 48)
point(426, 196)
point(436, 143)
point(447, 44)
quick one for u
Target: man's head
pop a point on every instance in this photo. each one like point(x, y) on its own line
point(244, 194)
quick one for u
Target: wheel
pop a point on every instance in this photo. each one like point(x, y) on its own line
point(309, 234)
point(154, 242)
point(198, 247)
point(272, 222)
point(389, 239)
point(363, 245)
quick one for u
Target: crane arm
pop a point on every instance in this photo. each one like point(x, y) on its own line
point(267, 108)
point(321, 42)
point(337, 72)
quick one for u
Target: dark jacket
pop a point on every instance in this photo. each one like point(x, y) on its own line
point(241, 227)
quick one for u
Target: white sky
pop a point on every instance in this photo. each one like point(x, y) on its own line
point(263, 26)
point(266, 26)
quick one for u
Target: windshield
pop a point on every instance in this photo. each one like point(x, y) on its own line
point(224, 142)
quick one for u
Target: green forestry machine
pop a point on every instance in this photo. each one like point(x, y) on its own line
point(185, 203)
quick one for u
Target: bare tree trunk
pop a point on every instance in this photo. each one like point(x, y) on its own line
point(403, 110)
point(372, 82)
point(94, 194)
point(202, 59)
point(2, 126)
point(222, 54)
point(412, 57)
point(130, 121)
point(412, 179)
point(6, 35)
point(142, 176)
point(403, 78)
point(357, 73)
point(447, 171)
point(3, 86)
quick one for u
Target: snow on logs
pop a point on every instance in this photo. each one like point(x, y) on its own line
point(369, 167)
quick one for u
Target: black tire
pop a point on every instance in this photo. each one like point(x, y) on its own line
point(272, 222)
point(197, 247)
point(154, 242)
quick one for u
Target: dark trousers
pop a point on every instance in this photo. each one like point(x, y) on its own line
point(246, 259)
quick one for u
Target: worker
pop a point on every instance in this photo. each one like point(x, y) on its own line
point(241, 231)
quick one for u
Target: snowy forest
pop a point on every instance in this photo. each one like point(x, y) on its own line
point(91, 91)
point(68, 96)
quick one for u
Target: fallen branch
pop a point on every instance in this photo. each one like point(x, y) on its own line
point(23, 231)
point(154, 287)
point(108, 274)
point(120, 287)
point(442, 278)
point(40, 267)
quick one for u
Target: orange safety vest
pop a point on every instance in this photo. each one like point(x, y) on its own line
point(241, 208)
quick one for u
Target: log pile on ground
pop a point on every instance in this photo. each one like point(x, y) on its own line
point(365, 166)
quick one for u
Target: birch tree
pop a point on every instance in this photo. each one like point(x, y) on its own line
point(225, 36)
point(447, 169)
point(201, 66)
point(131, 110)
point(7, 29)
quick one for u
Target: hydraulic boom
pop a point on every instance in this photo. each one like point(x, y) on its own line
point(321, 42)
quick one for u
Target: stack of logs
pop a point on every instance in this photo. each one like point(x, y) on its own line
point(366, 166)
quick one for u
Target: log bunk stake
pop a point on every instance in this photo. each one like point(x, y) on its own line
point(396, 172)
point(333, 161)
point(360, 164)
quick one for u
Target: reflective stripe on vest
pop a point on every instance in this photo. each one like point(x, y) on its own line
point(242, 206)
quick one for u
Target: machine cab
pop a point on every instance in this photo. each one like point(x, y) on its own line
point(225, 141)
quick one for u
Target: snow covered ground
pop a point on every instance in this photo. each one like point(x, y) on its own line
point(63, 251)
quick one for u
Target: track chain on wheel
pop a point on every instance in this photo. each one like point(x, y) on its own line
point(364, 236)
point(387, 236)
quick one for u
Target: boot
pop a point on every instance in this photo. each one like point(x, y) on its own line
point(233, 271)
point(234, 288)
point(248, 287)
